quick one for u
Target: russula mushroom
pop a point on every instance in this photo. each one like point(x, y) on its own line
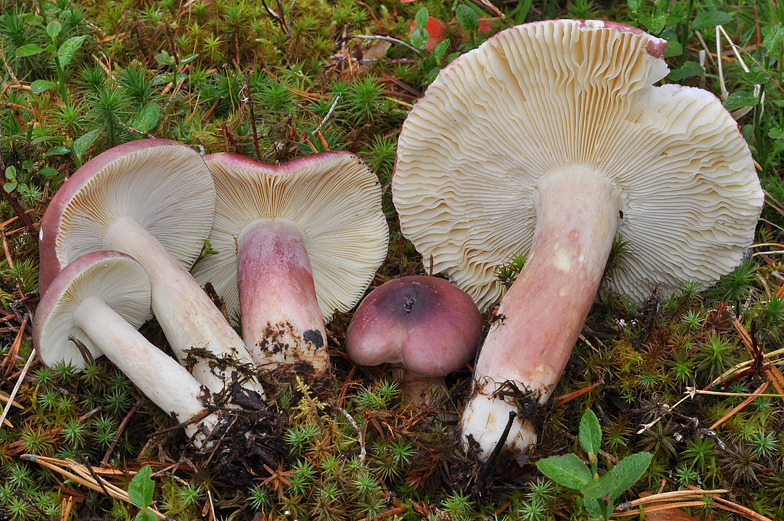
point(296, 242)
point(550, 139)
point(152, 199)
point(425, 324)
point(100, 300)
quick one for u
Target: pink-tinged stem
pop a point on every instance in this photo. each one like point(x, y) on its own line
point(282, 324)
point(185, 312)
point(543, 313)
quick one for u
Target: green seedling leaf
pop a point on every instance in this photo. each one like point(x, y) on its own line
point(419, 37)
point(81, 145)
point(10, 172)
point(10, 186)
point(740, 98)
point(141, 489)
point(39, 86)
point(188, 59)
point(655, 24)
point(422, 17)
point(440, 50)
point(711, 19)
point(147, 118)
point(627, 472)
point(164, 58)
point(776, 133)
point(590, 433)
point(467, 17)
point(594, 508)
point(633, 5)
point(756, 76)
point(57, 151)
point(599, 488)
point(674, 47)
point(67, 50)
point(774, 34)
point(689, 70)
point(146, 515)
point(28, 50)
point(48, 171)
point(53, 29)
point(568, 470)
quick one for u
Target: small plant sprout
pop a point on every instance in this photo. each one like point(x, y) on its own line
point(599, 492)
point(151, 199)
point(559, 173)
point(140, 493)
point(296, 242)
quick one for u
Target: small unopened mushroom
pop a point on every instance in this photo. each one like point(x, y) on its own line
point(550, 139)
point(425, 324)
point(100, 300)
point(152, 199)
point(295, 242)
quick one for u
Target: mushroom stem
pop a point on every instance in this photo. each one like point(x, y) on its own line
point(417, 388)
point(185, 312)
point(541, 316)
point(282, 324)
point(160, 378)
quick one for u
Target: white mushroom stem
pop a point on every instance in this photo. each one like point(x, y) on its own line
point(541, 316)
point(160, 378)
point(417, 388)
point(185, 312)
point(282, 324)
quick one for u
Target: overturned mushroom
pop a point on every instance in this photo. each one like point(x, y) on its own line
point(550, 139)
point(100, 300)
point(295, 243)
point(425, 324)
point(153, 200)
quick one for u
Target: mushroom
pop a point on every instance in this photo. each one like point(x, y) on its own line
point(550, 139)
point(425, 324)
point(148, 198)
point(99, 300)
point(296, 242)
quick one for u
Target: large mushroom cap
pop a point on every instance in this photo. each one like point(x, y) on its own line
point(112, 276)
point(334, 199)
point(162, 184)
point(425, 323)
point(543, 96)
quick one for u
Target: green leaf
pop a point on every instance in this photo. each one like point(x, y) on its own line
point(674, 47)
point(28, 50)
point(599, 488)
point(9, 187)
point(57, 151)
point(633, 5)
point(594, 508)
point(10, 172)
point(590, 433)
point(568, 470)
point(740, 98)
point(756, 76)
point(188, 58)
point(419, 38)
point(440, 50)
point(39, 86)
point(67, 50)
point(53, 29)
point(774, 34)
point(164, 58)
point(81, 145)
point(628, 471)
point(711, 19)
point(776, 133)
point(467, 17)
point(655, 24)
point(146, 514)
point(48, 171)
point(147, 118)
point(141, 489)
point(689, 70)
point(422, 17)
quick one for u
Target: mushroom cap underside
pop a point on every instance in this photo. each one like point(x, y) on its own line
point(543, 96)
point(334, 199)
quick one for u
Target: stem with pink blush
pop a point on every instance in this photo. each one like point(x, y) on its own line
point(186, 314)
point(282, 323)
point(543, 313)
